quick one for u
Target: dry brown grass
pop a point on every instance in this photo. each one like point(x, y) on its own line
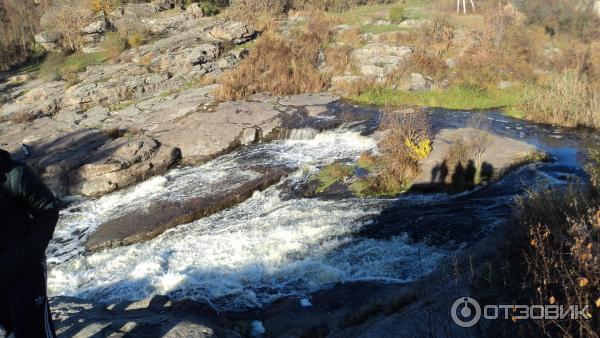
point(500, 49)
point(68, 17)
point(338, 59)
point(351, 37)
point(566, 99)
point(19, 21)
point(356, 87)
point(281, 65)
point(276, 65)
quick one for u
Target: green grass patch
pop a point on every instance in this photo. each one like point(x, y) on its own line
point(378, 29)
point(456, 97)
point(81, 61)
point(331, 174)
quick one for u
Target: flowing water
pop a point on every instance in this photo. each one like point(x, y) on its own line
point(279, 244)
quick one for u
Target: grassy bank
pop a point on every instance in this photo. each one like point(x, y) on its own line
point(455, 97)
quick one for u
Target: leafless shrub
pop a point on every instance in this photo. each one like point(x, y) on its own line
point(563, 256)
point(68, 17)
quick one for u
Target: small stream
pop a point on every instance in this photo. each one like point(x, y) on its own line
point(278, 244)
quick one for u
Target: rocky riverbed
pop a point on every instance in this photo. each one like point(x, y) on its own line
point(187, 217)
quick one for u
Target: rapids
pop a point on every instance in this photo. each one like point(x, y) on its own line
point(278, 244)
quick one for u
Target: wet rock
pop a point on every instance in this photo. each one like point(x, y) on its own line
point(499, 154)
point(233, 31)
point(204, 135)
point(141, 225)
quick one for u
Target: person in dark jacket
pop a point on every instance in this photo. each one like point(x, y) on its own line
point(28, 215)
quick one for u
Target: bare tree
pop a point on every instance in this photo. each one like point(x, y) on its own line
point(68, 17)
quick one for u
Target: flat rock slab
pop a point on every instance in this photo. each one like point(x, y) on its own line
point(155, 317)
point(204, 135)
point(501, 152)
point(140, 226)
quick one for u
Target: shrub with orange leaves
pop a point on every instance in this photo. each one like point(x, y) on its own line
point(564, 255)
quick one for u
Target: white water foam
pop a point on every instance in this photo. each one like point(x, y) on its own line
point(247, 256)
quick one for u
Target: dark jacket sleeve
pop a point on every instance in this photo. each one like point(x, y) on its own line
point(41, 206)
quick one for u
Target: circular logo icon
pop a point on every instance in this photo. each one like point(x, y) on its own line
point(465, 312)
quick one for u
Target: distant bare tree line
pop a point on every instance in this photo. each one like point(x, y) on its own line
point(19, 21)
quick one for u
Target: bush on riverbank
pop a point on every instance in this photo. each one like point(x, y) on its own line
point(280, 65)
point(406, 140)
point(551, 257)
point(567, 99)
point(563, 257)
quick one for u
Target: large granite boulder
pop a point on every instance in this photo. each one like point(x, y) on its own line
point(121, 163)
point(233, 31)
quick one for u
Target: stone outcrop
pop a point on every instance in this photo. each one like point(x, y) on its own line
point(144, 225)
point(499, 152)
point(49, 40)
point(378, 59)
point(121, 163)
point(233, 31)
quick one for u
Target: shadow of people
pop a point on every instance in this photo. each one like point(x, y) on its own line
point(435, 174)
point(487, 172)
point(443, 172)
point(439, 173)
point(458, 177)
point(470, 172)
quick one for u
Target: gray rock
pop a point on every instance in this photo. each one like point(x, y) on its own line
point(204, 135)
point(227, 61)
point(505, 84)
point(204, 53)
point(49, 40)
point(142, 225)
point(121, 163)
point(233, 31)
point(97, 27)
point(240, 53)
point(500, 152)
point(309, 99)
point(195, 10)
point(418, 82)
point(412, 24)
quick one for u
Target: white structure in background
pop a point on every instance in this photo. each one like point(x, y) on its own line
point(597, 7)
point(464, 5)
